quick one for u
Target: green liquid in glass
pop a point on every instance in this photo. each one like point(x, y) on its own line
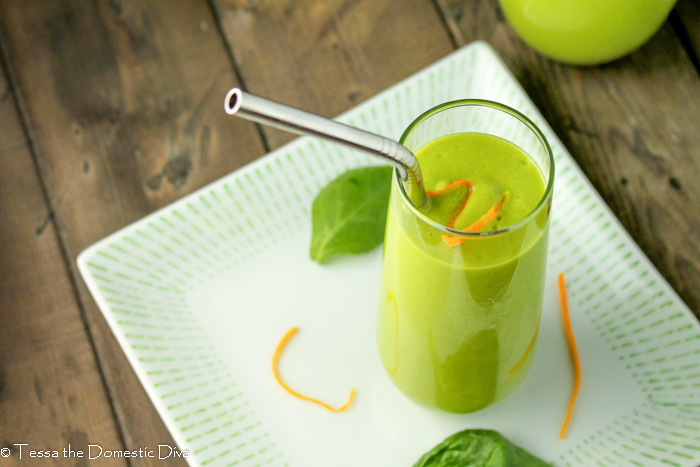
point(457, 325)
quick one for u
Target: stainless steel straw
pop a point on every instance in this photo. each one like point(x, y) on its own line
point(284, 117)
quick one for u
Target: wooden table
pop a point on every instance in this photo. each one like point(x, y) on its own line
point(111, 109)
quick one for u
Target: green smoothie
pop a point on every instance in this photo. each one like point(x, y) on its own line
point(458, 325)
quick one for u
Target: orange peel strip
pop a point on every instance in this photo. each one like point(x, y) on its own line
point(454, 184)
point(483, 221)
point(527, 351)
point(574, 353)
point(275, 358)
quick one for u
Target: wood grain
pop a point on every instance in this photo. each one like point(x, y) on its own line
point(632, 127)
point(123, 99)
point(51, 393)
point(688, 14)
point(327, 56)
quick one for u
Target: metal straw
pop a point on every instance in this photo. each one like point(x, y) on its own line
point(284, 117)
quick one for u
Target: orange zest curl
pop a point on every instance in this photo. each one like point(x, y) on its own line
point(457, 183)
point(483, 221)
point(527, 350)
point(574, 353)
point(278, 352)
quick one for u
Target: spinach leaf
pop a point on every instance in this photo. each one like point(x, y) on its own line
point(478, 448)
point(348, 215)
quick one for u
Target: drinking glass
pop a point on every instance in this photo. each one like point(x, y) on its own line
point(457, 327)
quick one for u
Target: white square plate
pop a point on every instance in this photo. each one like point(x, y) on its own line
point(199, 294)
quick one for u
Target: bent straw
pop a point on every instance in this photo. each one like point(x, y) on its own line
point(284, 117)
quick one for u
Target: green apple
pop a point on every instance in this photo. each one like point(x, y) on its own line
point(586, 32)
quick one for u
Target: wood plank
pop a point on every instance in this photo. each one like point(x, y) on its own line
point(124, 103)
point(328, 56)
point(688, 13)
point(631, 125)
point(51, 393)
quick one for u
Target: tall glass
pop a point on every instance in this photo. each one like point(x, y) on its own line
point(457, 327)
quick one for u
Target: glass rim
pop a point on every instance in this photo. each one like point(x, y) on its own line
point(493, 105)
